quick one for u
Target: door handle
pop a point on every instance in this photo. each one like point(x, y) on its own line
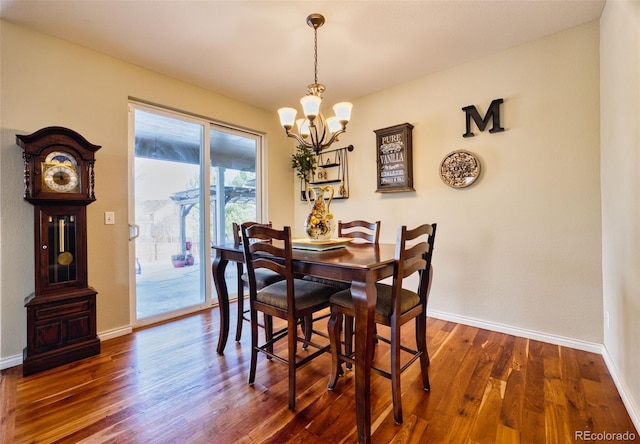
point(134, 231)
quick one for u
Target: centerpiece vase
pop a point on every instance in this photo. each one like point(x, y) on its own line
point(319, 224)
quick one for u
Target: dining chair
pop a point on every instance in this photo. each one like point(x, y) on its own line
point(360, 229)
point(290, 299)
point(263, 278)
point(365, 232)
point(395, 307)
point(356, 229)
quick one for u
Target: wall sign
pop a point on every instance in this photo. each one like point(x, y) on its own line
point(395, 158)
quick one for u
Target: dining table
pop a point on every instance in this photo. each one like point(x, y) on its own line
point(361, 264)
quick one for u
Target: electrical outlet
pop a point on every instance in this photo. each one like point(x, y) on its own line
point(109, 218)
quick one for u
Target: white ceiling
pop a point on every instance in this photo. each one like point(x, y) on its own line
point(261, 52)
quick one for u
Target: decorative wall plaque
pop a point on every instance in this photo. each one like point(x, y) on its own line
point(395, 158)
point(459, 169)
point(493, 114)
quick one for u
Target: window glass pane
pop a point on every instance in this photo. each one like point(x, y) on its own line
point(233, 181)
point(233, 184)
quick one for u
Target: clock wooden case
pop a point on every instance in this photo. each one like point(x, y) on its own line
point(61, 312)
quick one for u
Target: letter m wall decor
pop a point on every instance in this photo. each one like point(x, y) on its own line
point(493, 114)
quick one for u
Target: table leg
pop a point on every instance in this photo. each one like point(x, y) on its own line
point(217, 268)
point(240, 299)
point(364, 301)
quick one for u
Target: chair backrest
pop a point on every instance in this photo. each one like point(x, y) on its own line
point(237, 230)
point(360, 229)
point(262, 252)
point(414, 251)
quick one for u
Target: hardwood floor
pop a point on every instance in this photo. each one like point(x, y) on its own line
point(167, 384)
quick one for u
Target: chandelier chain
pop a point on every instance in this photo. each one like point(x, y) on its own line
point(315, 50)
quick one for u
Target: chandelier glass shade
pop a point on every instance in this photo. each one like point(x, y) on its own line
point(314, 131)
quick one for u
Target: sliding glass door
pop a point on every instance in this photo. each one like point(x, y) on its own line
point(170, 235)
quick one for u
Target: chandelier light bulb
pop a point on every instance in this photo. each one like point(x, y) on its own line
point(343, 111)
point(334, 124)
point(303, 127)
point(287, 117)
point(311, 106)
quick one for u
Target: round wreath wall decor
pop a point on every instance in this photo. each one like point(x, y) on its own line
point(459, 169)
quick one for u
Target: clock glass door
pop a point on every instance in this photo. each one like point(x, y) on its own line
point(62, 254)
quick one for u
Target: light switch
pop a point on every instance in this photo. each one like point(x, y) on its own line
point(109, 218)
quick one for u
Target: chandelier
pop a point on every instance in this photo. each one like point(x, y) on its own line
point(314, 131)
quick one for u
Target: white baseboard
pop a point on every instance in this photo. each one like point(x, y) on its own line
point(12, 361)
point(627, 399)
point(110, 334)
point(593, 347)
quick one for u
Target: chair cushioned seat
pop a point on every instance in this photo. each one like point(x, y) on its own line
point(339, 285)
point(264, 277)
point(307, 294)
point(409, 299)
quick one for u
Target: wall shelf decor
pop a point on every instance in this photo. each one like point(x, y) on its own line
point(332, 168)
point(394, 148)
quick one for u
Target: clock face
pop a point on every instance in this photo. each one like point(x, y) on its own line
point(60, 177)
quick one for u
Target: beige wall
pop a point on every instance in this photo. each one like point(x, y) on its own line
point(522, 246)
point(46, 82)
point(620, 151)
point(518, 248)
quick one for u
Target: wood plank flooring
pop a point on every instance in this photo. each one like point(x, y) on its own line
point(167, 384)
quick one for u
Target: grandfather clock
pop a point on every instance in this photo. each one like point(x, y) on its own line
point(61, 312)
